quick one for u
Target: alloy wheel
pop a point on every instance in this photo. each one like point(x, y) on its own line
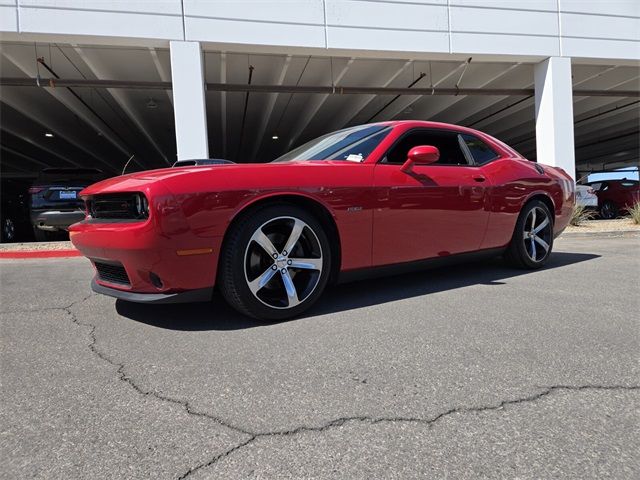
point(8, 230)
point(283, 262)
point(537, 234)
point(608, 211)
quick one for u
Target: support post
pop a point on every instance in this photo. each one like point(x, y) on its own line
point(189, 102)
point(554, 114)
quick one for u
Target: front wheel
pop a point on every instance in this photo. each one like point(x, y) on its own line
point(275, 263)
point(532, 239)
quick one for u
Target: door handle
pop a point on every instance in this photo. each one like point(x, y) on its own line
point(479, 178)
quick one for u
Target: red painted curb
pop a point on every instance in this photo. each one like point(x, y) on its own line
point(40, 254)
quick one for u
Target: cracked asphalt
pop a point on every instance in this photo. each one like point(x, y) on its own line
point(465, 372)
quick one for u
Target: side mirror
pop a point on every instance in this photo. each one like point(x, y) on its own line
point(421, 155)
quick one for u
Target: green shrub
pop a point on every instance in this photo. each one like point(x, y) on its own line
point(580, 215)
point(634, 212)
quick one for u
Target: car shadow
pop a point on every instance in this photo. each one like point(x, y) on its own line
point(217, 315)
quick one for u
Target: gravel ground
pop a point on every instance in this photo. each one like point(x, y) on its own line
point(471, 371)
point(617, 225)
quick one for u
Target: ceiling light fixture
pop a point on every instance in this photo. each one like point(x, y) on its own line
point(48, 134)
point(275, 137)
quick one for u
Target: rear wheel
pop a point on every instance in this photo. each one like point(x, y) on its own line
point(608, 210)
point(40, 235)
point(275, 263)
point(8, 230)
point(532, 239)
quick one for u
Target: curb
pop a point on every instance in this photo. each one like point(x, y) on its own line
point(40, 254)
point(602, 234)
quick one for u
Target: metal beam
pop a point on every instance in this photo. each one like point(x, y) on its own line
point(164, 75)
point(120, 98)
point(38, 117)
point(348, 114)
point(314, 106)
point(510, 121)
point(25, 138)
point(266, 116)
point(450, 111)
point(321, 89)
point(72, 103)
point(415, 91)
point(21, 155)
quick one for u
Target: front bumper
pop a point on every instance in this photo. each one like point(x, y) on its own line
point(52, 220)
point(200, 295)
point(144, 251)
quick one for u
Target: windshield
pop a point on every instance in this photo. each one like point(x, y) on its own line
point(352, 144)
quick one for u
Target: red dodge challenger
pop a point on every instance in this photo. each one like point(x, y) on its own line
point(376, 198)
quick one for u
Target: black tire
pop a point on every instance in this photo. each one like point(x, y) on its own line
point(8, 232)
point(525, 250)
point(40, 235)
point(244, 262)
point(608, 210)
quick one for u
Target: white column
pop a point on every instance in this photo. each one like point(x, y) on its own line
point(554, 114)
point(189, 103)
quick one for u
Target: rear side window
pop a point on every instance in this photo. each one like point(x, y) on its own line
point(480, 151)
point(629, 183)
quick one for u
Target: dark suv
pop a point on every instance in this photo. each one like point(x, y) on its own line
point(54, 201)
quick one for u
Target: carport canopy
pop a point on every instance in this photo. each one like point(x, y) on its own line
point(95, 106)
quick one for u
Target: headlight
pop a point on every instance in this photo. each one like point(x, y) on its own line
point(145, 206)
point(142, 206)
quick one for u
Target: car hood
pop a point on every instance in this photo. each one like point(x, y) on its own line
point(138, 181)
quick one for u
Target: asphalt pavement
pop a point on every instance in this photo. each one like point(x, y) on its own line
point(471, 371)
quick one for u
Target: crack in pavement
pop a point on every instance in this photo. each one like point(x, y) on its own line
point(426, 421)
point(253, 435)
point(122, 375)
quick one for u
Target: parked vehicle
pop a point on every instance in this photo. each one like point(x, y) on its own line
point(14, 212)
point(369, 199)
point(55, 203)
point(616, 196)
point(586, 196)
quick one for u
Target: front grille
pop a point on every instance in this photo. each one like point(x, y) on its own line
point(112, 273)
point(118, 206)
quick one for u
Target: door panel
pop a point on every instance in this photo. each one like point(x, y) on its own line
point(436, 210)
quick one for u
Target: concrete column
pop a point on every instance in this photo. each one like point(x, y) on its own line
point(554, 114)
point(189, 103)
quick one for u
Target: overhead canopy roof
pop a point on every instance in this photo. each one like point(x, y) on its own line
point(102, 127)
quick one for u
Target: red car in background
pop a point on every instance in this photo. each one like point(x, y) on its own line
point(374, 198)
point(616, 196)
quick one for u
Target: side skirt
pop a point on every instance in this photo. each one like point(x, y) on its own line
point(407, 267)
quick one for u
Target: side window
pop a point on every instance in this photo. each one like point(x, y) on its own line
point(479, 150)
point(446, 142)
